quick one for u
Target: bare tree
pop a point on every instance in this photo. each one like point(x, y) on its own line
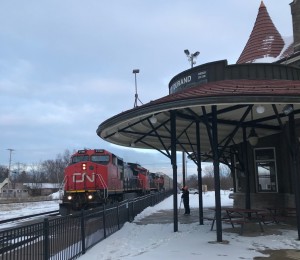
point(23, 177)
point(37, 178)
point(19, 173)
point(208, 177)
point(226, 181)
point(225, 177)
point(54, 169)
point(3, 171)
point(192, 181)
point(37, 174)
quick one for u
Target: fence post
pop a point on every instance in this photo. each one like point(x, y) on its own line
point(83, 250)
point(128, 213)
point(46, 239)
point(118, 215)
point(132, 209)
point(104, 221)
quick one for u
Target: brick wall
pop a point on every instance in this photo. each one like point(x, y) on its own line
point(265, 200)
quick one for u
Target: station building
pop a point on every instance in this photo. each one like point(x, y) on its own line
point(245, 115)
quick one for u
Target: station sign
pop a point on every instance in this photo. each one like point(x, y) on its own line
point(189, 80)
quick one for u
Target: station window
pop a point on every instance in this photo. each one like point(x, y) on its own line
point(265, 169)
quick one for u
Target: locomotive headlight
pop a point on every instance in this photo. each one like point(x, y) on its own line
point(90, 197)
point(69, 197)
point(83, 166)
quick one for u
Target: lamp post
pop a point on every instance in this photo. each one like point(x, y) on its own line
point(136, 97)
point(191, 57)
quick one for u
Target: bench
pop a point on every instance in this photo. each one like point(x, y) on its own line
point(282, 214)
point(243, 216)
point(223, 218)
point(243, 221)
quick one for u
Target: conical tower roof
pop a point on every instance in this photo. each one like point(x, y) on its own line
point(264, 40)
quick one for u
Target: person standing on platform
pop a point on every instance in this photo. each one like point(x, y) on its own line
point(186, 200)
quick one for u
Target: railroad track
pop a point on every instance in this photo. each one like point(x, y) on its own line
point(29, 217)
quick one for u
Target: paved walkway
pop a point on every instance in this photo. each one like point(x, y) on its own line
point(166, 216)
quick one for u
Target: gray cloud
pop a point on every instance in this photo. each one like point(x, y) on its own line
point(66, 66)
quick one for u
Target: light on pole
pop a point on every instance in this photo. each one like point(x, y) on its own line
point(191, 57)
point(136, 97)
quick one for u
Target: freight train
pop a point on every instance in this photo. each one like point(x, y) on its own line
point(96, 177)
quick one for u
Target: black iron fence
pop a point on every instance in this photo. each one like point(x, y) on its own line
point(69, 237)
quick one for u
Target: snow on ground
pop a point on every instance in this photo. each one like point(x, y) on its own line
point(159, 241)
point(15, 210)
point(192, 241)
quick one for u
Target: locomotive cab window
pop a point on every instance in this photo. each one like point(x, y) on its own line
point(101, 159)
point(144, 172)
point(80, 158)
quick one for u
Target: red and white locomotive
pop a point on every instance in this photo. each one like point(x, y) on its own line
point(156, 182)
point(95, 177)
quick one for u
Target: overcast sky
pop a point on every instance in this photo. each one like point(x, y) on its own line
point(66, 66)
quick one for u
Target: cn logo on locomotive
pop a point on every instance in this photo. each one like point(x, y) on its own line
point(81, 177)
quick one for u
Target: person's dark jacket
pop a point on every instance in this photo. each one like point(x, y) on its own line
point(185, 195)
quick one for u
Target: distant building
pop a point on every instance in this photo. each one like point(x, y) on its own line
point(25, 190)
point(42, 189)
point(9, 190)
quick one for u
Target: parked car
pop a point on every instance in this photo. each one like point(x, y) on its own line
point(193, 191)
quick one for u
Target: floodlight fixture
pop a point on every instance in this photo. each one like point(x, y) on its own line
point(191, 56)
point(196, 54)
point(187, 52)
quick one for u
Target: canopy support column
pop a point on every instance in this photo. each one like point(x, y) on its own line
point(216, 173)
point(246, 169)
point(199, 170)
point(295, 173)
point(174, 166)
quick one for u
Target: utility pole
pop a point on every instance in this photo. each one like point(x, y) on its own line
point(9, 165)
